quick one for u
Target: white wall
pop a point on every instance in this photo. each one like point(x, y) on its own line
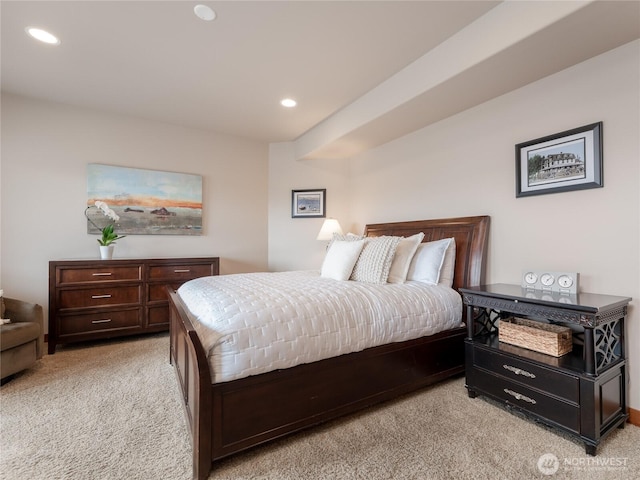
point(292, 241)
point(465, 165)
point(45, 150)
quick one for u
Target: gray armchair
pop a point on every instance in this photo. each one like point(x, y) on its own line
point(22, 340)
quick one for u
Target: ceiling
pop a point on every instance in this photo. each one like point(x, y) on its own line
point(157, 60)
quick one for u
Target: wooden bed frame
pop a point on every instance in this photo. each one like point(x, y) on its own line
point(226, 418)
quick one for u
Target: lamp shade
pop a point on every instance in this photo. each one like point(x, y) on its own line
point(329, 227)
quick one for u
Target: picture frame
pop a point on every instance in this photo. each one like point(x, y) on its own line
point(308, 203)
point(565, 161)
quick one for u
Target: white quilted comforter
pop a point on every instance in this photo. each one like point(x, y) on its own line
point(258, 322)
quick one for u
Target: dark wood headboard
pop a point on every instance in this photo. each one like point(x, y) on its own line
point(471, 234)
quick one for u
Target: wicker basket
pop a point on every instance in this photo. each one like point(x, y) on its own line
point(541, 337)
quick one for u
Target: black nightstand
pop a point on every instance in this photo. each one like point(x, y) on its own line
point(583, 392)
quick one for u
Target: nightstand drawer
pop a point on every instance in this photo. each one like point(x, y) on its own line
point(534, 401)
point(107, 273)
point(545, 379)
point(180, 271)
point(110, 320)
point(99, 296)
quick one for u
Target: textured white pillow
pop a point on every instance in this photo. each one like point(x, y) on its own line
point(427, 262)
point(347, 237)
point(374, 262)
point(402, 259)
point(448, 269)
point(340, 259)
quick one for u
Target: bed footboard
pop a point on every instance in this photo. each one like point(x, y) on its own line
point(190, 363)
point(257, 409)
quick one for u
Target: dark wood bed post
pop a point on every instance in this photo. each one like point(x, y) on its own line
point(192, 369)
point(229, 417)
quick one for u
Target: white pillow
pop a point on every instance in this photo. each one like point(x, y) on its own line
point(427, 262)
point(448, 269)
point(340, 259)
point(402, 259)
point(374, 262)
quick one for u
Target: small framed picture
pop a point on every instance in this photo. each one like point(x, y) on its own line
point(308, 203)
point(566, 161)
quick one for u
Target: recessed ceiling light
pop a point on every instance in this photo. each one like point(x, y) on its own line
point(205, 13)
point(43, 35)
point(288, 102)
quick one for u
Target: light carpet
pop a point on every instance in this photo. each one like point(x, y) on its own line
point(111, 410)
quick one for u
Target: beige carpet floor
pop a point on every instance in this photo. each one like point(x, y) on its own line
point(111, 410)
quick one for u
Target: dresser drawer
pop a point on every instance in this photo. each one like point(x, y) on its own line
point(534, 401)
point(157, 292)
point(86, 323)
point(545, 379)
point(107, 273)
point(158, 315)
point(99, 296)
point(180, 271)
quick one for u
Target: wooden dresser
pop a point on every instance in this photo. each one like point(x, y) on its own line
point(96, 299)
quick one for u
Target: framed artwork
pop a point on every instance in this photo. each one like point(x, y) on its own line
point(308, 203)
point(566, 161)
point(148, 202)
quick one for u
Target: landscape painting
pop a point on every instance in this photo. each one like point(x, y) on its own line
point(148, 202)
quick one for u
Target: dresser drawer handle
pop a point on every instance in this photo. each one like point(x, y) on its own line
point(519, 396)
point(519, 371)
point(184, 270)
point(100, 296)
point(106, 320)
point(106, 274)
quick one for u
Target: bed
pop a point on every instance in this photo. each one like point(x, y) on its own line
point(229, 416)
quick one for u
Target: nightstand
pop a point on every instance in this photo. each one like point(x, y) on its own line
point(582, 393)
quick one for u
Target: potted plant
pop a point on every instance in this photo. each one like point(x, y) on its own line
point(109, 236)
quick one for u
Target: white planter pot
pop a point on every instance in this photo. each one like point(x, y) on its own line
point(106, 253)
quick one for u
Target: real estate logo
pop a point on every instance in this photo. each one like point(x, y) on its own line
point(548, 464)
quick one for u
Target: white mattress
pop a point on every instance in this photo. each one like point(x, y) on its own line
point(258, 322)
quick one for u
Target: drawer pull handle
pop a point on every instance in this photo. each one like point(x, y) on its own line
point(106, 320)
point(184, 270)
point(106, 274)
point(519, 396)
point(519, 371)
point(100, 296)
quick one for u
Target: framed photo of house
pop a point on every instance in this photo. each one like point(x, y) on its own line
point(308, 203)
point(566, 161)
